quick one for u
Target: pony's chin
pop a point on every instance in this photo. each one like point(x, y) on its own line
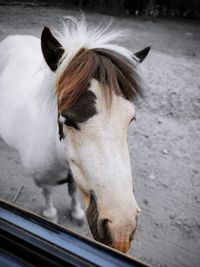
point(121, 246)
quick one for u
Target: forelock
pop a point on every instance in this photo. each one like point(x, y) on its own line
point(93, 54)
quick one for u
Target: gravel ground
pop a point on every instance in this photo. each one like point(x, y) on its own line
point(164, 142)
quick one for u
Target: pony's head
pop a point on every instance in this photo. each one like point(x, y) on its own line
point(95, 85)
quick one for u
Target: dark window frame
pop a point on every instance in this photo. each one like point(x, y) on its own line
point(30, 240)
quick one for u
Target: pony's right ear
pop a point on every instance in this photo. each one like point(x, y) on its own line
point(52, 50)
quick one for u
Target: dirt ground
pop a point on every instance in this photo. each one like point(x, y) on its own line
point(164, 142)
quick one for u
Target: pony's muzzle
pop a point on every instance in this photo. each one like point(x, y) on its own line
point(115, 235)
point(107, 231)
point(121, 236)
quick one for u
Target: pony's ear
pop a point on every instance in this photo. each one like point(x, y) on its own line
point(141, 55)
point(52, 50)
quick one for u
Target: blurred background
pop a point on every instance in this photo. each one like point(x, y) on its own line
point(146, 8)
point(164, 142)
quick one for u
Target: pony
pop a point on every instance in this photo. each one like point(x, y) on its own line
point(66, 101)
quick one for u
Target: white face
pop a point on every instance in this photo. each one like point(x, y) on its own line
point(99, 160)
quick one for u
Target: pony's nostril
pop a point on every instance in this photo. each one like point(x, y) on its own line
point(104, 231)
point(131, 237)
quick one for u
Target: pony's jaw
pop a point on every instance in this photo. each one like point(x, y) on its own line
point(99, 160)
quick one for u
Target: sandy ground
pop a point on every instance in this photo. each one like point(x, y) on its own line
point(164, 142)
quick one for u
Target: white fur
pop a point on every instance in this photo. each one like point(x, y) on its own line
point(77, 34)
point(28, 111)
point(49, 212)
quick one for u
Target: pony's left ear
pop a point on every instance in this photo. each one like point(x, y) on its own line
point(52, 50)
point(141, 55)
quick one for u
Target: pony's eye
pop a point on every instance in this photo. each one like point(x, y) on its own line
point(69, 122)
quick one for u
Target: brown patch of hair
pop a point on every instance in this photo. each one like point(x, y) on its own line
point(113, 71)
